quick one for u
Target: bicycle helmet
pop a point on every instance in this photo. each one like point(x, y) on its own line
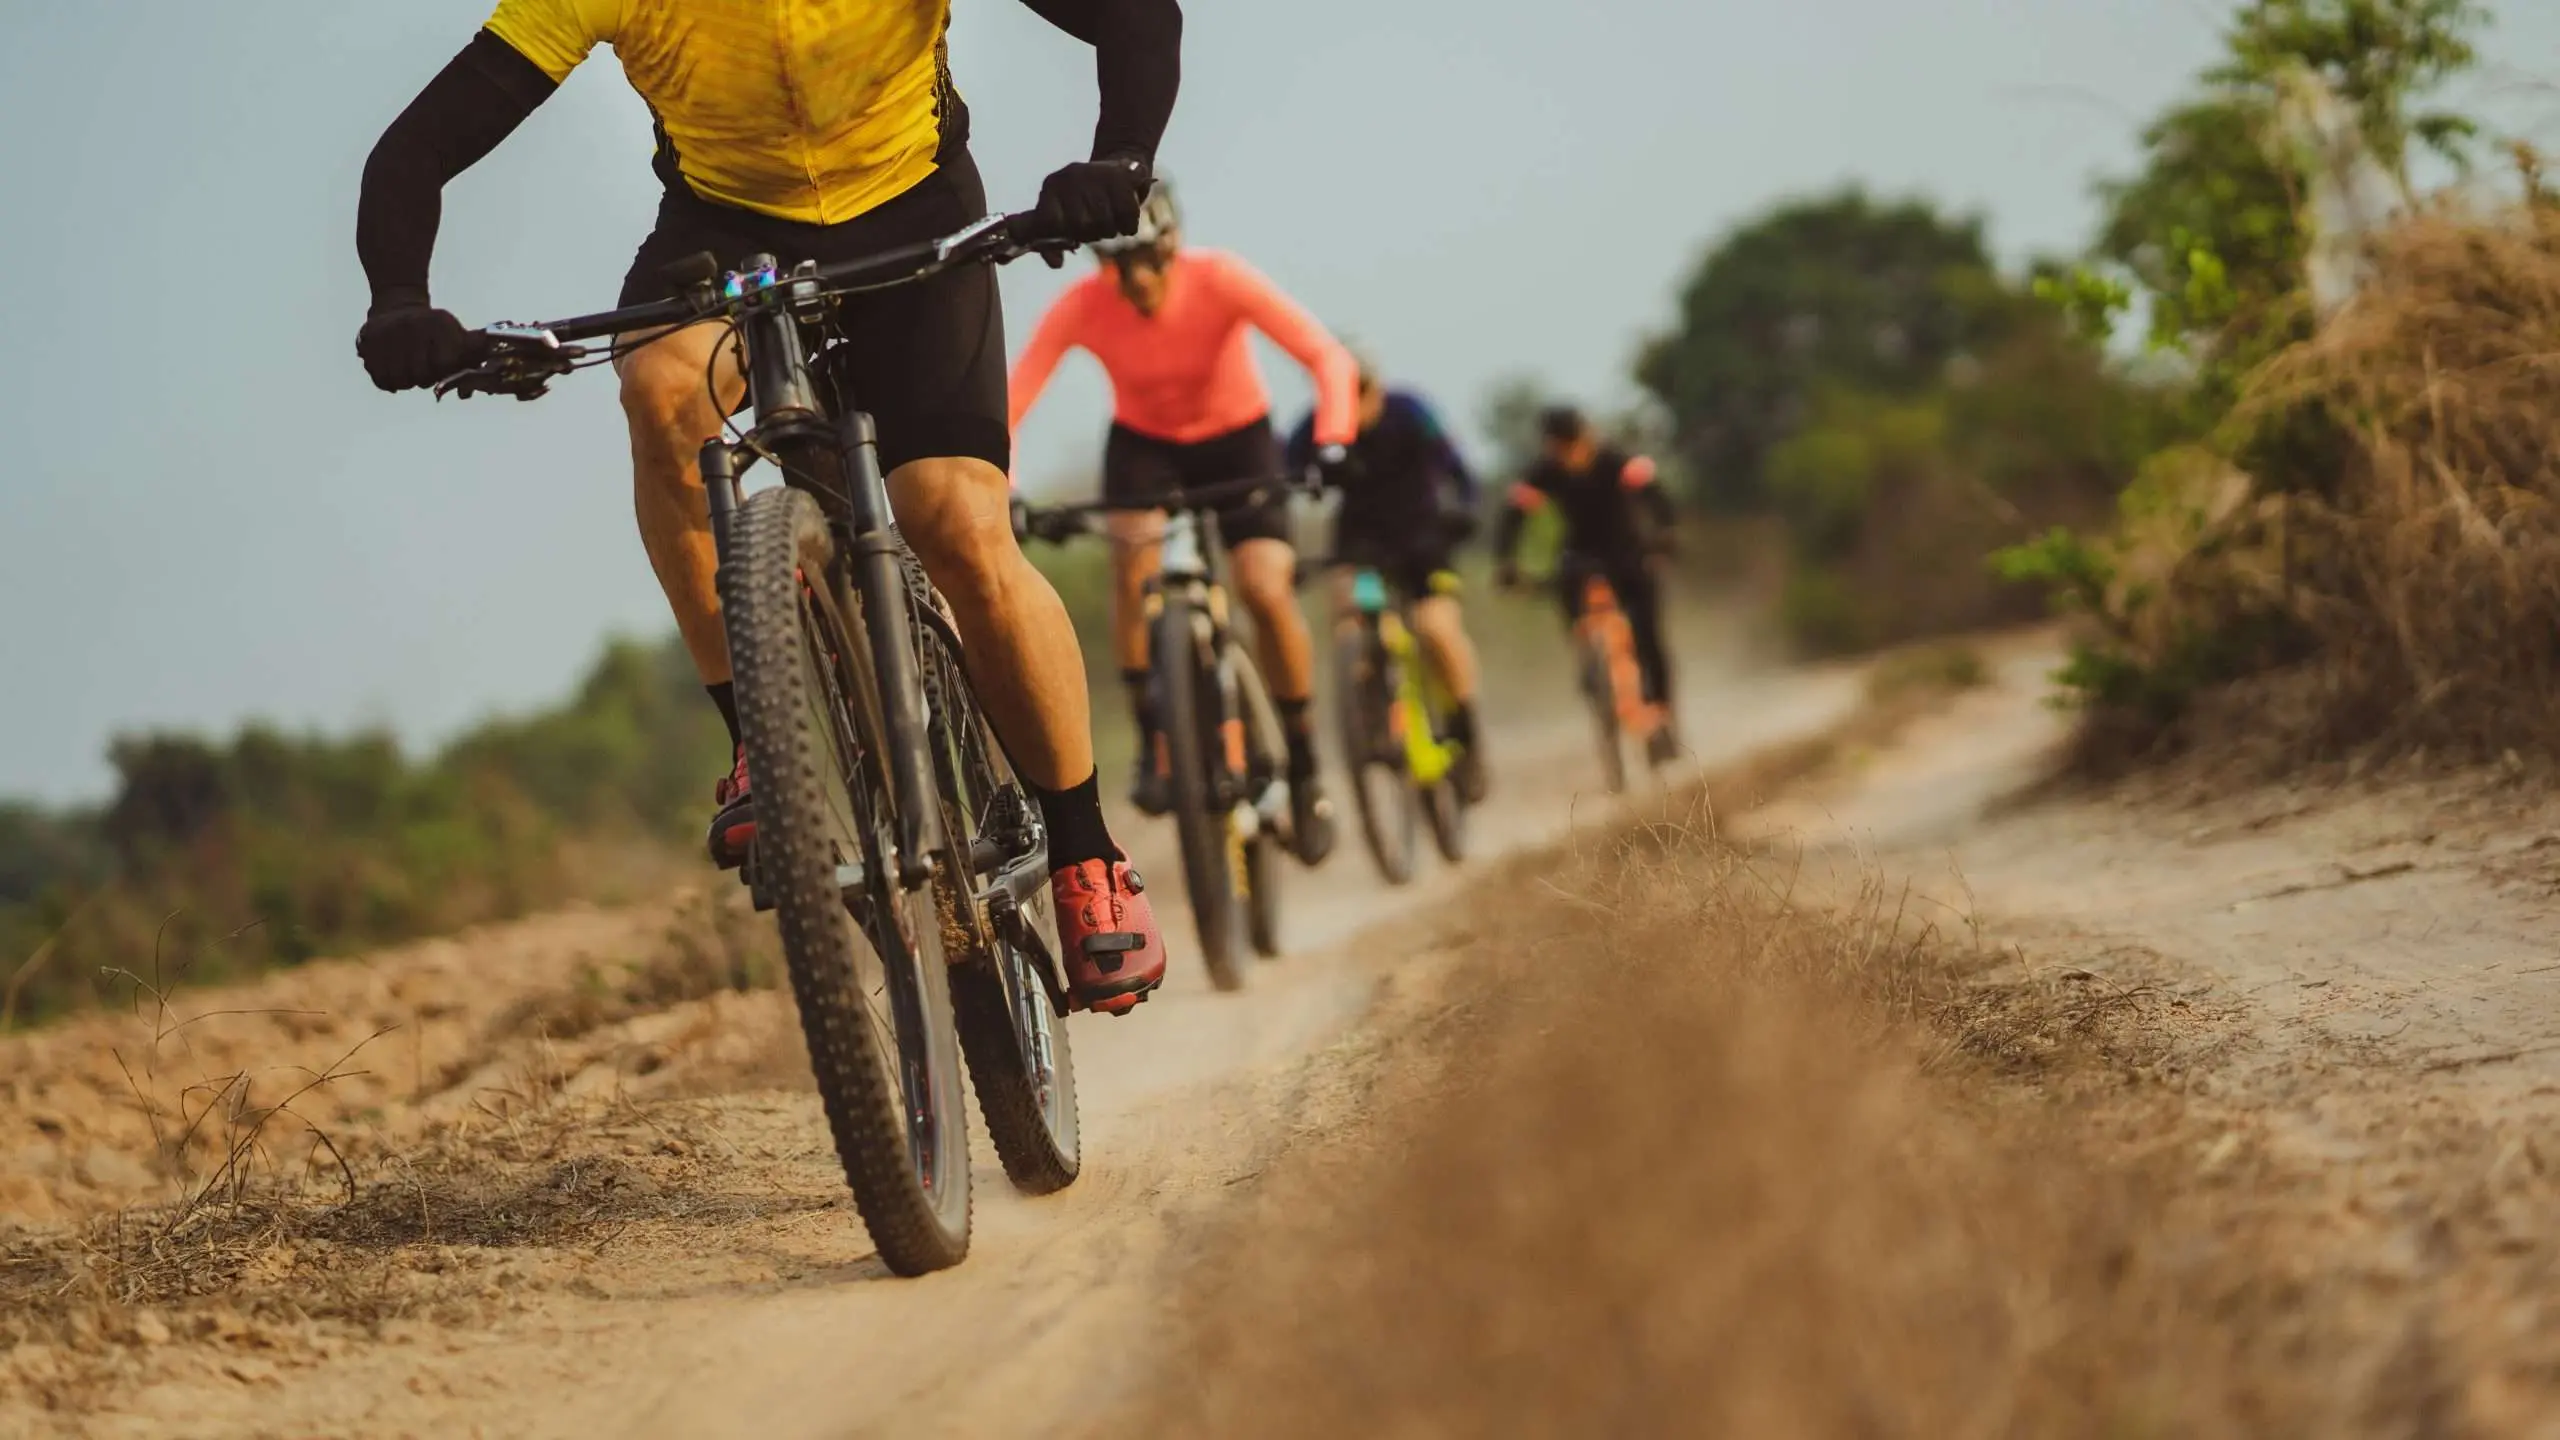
point(1157, 218)
point(1565, 423)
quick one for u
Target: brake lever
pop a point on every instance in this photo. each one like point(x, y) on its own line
point(522, 361)
point(492, 379)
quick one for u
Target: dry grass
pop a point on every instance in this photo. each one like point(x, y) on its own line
point(2433, 583)
point(297, 1211)
point(1704, 1141)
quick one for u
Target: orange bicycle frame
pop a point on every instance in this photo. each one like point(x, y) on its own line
point(1606, 625)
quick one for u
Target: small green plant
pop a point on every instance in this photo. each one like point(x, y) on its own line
point(2071, 568)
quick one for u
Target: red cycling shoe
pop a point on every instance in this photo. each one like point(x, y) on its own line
point(1114, 954)
point(733, 825)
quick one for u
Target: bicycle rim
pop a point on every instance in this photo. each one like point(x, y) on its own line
point(1378, 787)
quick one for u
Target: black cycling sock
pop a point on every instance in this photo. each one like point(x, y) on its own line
point(725, 695)
point(1462, 724)
point(1074, 820)
point(1299, 729)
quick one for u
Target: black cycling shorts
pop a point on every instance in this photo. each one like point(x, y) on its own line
point(926, 359)
point(1139, 470)
point(1416, 568)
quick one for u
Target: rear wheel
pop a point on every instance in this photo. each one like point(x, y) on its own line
point(1004, 996)
point(1194, 744)
point(1263, 853)
point(866, 955)
point(1262, 871)
point(1380, 788)
point(1448, 815)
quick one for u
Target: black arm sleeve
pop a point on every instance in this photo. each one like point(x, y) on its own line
point(473, 103)
point(1137, 57)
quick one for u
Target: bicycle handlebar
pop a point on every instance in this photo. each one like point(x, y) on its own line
point(1059, 523)
point(524, 358)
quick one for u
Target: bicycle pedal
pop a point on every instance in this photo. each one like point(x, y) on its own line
point(757, 897)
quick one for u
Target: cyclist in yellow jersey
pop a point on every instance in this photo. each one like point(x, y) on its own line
point(818, 130)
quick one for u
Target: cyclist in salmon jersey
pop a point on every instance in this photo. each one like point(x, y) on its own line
point(1189, 412)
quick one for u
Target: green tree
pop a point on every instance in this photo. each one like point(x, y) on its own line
point(2209, 230)
point(1839, 291)
point(2379, 56)
point(2213, 239)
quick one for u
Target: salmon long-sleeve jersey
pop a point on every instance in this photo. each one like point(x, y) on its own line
point(1185, 373)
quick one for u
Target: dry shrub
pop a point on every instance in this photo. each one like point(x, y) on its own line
point(2433, 581)
point(1677, 1161)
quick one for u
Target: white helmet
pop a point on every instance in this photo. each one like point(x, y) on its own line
point(1157, 218)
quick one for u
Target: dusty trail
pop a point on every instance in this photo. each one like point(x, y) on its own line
point(2354, 991)
point(1945, 1103)
point(628, 1221)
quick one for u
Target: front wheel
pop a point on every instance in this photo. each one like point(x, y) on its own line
point(1600, 689)
point(866, 954)
point(1380, 787)
point(1195, 734)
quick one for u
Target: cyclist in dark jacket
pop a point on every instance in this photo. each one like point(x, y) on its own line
point(1408, 503)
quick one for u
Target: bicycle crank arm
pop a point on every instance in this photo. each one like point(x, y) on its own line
point(1014, 882)
point(1009, 921)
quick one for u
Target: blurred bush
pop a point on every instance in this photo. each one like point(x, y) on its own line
point(220, 857)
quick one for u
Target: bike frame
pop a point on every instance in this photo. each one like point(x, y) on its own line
point(1420, 693)
point(1605, 626)
point(827, 450)
point(1192, 563)
point(837, 461)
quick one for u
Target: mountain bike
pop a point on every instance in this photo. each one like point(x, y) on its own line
point(904, 861)
point(1222, 743)
point(1613, 685)
point(1393, 711)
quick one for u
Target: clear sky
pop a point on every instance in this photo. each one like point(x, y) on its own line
point(209, 515)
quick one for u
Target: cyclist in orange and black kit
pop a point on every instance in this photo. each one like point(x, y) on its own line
point(1617, 524)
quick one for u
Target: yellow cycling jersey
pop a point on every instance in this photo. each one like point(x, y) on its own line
point(810, 110)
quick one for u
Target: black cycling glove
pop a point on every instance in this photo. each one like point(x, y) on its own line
point(1091, 200)
point(1334, 468)
point(409, 347)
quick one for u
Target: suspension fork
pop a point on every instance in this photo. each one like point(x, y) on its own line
point(878, 575)
point(789, 414)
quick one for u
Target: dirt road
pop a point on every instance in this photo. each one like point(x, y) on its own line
point(1953, 1104)
point(621, 1215)
point(1944, 1103)
point(2353, 988)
